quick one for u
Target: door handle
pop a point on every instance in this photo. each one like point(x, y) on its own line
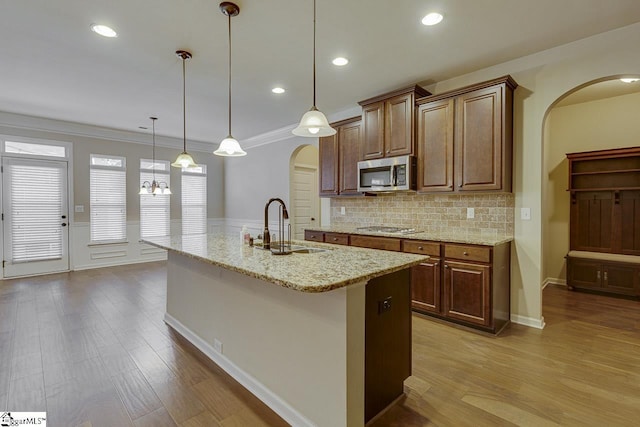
point(313, 219)
point(64, 224)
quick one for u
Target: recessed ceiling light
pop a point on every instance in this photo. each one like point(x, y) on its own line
point(432, 19)
point(630, 79)
point(278, 90)
point(339, 61)
point(103, 30)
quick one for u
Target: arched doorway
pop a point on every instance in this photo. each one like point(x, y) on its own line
point(597, 115)
point(303, 191)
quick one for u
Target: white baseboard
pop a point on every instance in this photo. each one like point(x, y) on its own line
point(121, 262)
point(528, 321)
point(279, 406)
point(553, 281)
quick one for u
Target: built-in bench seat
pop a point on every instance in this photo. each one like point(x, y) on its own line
point(604, 272)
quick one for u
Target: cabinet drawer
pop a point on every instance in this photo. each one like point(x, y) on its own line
point(336, 238)
point(386, 243)
point(421, 247)
point(468, 253)
point(316, 236)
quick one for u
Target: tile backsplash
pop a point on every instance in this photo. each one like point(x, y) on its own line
point(435, 213)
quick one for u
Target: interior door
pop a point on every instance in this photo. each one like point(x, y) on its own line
point(306, 206)
point(35, 217)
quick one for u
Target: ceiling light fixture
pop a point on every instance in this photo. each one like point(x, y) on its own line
point(103, 30)
point(432, 19)
point(629, 79)
point(340, 61)
point(229, 147)
point(154, 187)
point(184, 159)
point(314, 123)
point(278, 90)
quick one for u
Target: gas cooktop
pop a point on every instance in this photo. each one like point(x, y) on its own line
point(391, 230)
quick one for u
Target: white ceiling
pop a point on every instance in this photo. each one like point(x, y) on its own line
point(600, 90)
point(53, 66)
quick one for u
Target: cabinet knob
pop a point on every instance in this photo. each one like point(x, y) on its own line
point(335, 239)
point(420, 248)
point(465, 253)
point(459, 185)
point(605, 276)
point(388, 151)
point(313, 236)
point(446, 266)
point(598, 275)
point(435, 264)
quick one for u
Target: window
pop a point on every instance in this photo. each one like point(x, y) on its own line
point(154, 209)
point(194, 200)
point(108, 198)
point(35, 149)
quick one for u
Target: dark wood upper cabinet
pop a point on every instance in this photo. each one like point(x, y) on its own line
point(339, 155)
point(388, 123)
point(435, 146)
point(328, 159)
point(465, 138)
point(349, 137)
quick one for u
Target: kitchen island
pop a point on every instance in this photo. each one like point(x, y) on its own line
point(322, 338)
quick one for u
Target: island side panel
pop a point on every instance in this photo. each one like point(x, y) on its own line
point(300, 349)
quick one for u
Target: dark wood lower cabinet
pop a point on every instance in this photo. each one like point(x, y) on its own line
point(425, 287)
point(467, 292)
point(603, 275)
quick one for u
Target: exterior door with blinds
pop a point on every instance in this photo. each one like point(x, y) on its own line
point(35, 224)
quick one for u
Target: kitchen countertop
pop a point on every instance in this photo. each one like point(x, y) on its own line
point(450, 236)
point(315, 272)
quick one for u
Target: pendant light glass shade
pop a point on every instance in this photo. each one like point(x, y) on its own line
point(184, 159)
point(229, 147)
point(314, 124)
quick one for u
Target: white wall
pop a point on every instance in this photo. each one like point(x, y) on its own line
point(595, 125)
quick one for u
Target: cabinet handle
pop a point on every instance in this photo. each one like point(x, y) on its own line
point(598, 275)
point(419, 248)
point(605, 276)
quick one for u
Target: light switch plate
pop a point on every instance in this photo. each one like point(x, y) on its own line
point(471, 213)
point(525, 214)
point(342, 210)
point(79, 208)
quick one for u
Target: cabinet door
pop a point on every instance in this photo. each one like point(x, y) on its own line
point(479, 140)
point(398, 125)
point(591, 222)
point(630, 222)
point(435, 146)
point(467, 293)
point(328, 148)
point(425, 286)
point(583, 273)
point(349, 146)
point(620, 279)
point(373, 131)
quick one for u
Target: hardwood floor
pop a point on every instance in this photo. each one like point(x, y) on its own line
point(92, 350)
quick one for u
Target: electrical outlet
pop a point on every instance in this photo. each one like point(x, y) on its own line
point(342, 210)
point(471, 213)
point(217, 345)
point(384, 305)
point(525, 214)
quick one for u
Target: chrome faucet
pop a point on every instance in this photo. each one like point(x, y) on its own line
point(266, 238)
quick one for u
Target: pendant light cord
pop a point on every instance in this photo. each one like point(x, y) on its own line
point(314, 54)
point(229, 16)
point(153, 151)
point(184, 108)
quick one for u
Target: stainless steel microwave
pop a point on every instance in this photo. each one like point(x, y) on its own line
point(389, 174)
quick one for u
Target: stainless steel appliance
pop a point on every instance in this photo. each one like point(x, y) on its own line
point(389, 174)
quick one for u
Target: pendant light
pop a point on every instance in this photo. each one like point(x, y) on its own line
point(229, 147)
point(184, 160)
point(154, 187)
point(314, 123)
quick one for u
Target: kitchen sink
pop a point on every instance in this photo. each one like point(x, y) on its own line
point(297, 249)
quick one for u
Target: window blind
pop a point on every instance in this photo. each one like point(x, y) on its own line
point(36, 212)
point(154, 210)
point(108, 199)
point(194, 200)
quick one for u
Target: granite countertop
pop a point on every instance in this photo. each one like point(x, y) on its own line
point(450, 236)
point(314, 272)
